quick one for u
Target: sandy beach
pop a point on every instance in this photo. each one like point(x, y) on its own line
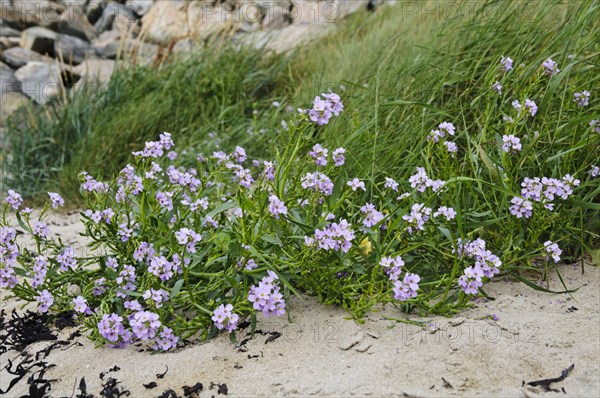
point(488, 350)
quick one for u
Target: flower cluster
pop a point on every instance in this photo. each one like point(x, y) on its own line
point(544, 191)
point(324, 108)
point(335, 236)
point(447, 212)
point(277, 207)
point(506, 63)
point(266, 297)
point(189, 238)
point(486, 265)
point(529, 105)
point(317, 182)
point(224, 318)
point(550, 67)
point(553, 251)
point(155, 149)
point(511, 144)
point(355, 184)
point(372, 216)
point(407, 288)
point(392, 266)
point(421, 181)
point(418, 216)
point(443, 129)
point(582, 98)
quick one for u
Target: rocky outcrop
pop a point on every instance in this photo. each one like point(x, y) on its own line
point(41, 41)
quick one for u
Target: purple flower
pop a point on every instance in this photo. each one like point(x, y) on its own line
point(390, 183)
point(161, 267)
point(188, 237)
point(517, 105)
point(506, 63)
point(164, 200)
point(45, 301)
point(324, 108)
point(320, 154)
point(67, 259)
point(498, 87)
point(80, 304)
point(172, 155)
point(224, 318)
point(159, 296)
point(269, 170)
point(393, 266)
point(14, 199)
point(407, 288)
point(511, 143)
point(521, 207)
point(372, 216)
point(417, 217)
point(553, 250)
point(451, 147)
point(595, 125)
point(239, 154)
point(582, 98)
point(317, 182)
point(166, 340)
point(550, 67)
point(266, 297)
point(276, 206)
point(56, 199)
point(335, 236)
point(144, 324)
point(594, 171)
point(40, 268)
point(531, 107)
point(356, 184)
point(338, 156)
point(112, 329)
point(447, 212)
point(40, 229)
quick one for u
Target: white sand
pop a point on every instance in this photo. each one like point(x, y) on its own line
point(324, 354)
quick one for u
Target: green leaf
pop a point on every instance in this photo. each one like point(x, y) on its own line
point(21, 223)
point(224, 207)
point(539, 288)
point(176, 288)
point(274, 240)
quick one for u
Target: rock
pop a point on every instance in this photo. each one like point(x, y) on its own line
point(74, 22)
point(16, 57)
point(457, 321)
point(276, 15)
point(166, 21)
point(44, 13)
point(140, 7)
point(8, 81)
point(363, 346)
point(205, 21)
point(38, 39)
point(94, 9)
point(94, 71)
point(7, 31)
point(134, 50)
point(105, 39)
point(117, 16)
point(40, 81)
point(9, 42)
point(11, 101)
point(73, 50)
point(344, 8)
point(184, 46)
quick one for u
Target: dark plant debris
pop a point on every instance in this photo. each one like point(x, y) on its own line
point(150, 385)
point(162, 375)
point(447, 384)
point(544, 384)
point(221, 388)
point(272, 337)
point(193, 391)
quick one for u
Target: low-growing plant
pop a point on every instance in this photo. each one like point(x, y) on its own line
point(184, 246)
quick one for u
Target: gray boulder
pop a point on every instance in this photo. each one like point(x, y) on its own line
point(45, 13)
point(117, 16)
point(74, 22)
point(38, 39)
point(73, 50)
point(40, 81)
point(16, 57)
